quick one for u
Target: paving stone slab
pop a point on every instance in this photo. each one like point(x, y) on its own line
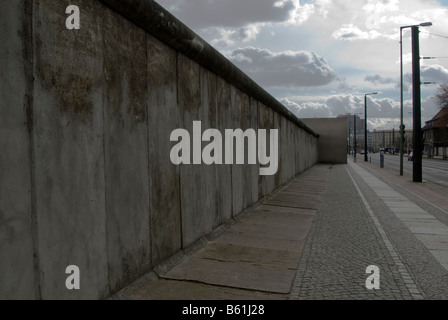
point(238, 275)
point(163, 289)
point(299, 202)
point(256, 256)
point(262, 241)
point(278, 209)
point(434, 242)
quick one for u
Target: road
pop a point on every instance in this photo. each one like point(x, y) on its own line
point(435, 171)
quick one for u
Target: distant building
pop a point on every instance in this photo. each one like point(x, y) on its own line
point(359, 135)
point(435, 134)
point(390, 139)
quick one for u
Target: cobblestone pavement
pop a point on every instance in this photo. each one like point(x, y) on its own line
point(349, 235)
point(428, 274)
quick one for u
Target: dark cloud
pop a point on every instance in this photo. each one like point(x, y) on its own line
point(228, 13)
point(377, 79)
point(286, 69)
point(434, 73)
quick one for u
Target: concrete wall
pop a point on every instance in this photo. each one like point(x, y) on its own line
point(85, 123)
point(332, 143)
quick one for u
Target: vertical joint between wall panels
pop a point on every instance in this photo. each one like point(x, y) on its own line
point(179, 168)
point(28, 52)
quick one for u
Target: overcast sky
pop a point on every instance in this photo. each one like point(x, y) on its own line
point(319, 57)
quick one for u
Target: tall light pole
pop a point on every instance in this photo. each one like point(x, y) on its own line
point(365, 124)
point(354, 120)
point(402, 127)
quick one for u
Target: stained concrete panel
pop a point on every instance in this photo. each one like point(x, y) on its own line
point(126, 151)
point(164, 177)
point(189, 101)
point(69, 159)
point(223, 172)
point(277, 125)
point(265, 122)
point(209, 202)
point(254, 169)
point(245, 124)
point(238, 181)
point(16, 243)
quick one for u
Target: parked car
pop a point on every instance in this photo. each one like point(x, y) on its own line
point(411, 156)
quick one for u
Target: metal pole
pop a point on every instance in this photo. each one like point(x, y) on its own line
point(401, 104)
point(417, 158)
point(365, 128)
point(349, 140)
point(354, 117)
point(393, 140)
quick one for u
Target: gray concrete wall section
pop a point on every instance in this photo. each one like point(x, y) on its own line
point(85, 119)
point(126, 151)
point(163, 117)
point(69, 157)
point(16, 243)
point(208, 202)
point(332, 146)
point(189, 103)
point(223, 172)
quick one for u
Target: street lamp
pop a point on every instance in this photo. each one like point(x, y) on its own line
point(354, 119)
point(402, 128)
point(365, 123)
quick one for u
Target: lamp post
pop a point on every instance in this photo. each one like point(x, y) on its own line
point(402, 127)
point(354, 120)
point(365, 124)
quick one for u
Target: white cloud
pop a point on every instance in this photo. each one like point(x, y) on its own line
point(307, 109)
point(286, 69)
point(382, 113)
point(435, 73)
point(351, 32)
point(377, 79)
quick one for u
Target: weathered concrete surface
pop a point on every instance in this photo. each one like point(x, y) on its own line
point(86, 118)
point(163, 118)
point(126, 151)
point(208, 202)
point(265, 119)
point(69, 157)
point(223, 172)
point(189, 101)
point(333, 139)
point(260, 253)
point(153, 288)
point(16, 242)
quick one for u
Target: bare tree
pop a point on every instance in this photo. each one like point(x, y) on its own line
point(442, 95)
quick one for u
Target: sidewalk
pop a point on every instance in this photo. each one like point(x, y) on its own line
point(314, 239)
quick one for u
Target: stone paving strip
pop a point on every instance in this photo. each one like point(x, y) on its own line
point(256, 258)
point(410, 284)
point(432, 233)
